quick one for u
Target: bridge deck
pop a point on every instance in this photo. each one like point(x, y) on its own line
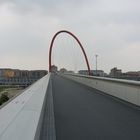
point(85, 114)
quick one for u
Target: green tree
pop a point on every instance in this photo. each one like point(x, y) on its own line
point(3, 98)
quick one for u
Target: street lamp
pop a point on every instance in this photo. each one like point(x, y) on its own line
point(96, 63)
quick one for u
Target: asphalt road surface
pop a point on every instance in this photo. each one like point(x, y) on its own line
point(82, 113)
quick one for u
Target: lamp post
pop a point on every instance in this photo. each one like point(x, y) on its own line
point(96, 63)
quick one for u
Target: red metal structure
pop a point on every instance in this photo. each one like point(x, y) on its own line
point(51, 46)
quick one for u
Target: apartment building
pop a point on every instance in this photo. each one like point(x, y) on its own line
point(20, 77)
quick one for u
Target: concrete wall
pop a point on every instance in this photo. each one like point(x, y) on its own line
point(123, 89)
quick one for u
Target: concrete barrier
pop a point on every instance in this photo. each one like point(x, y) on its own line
point(19, 118)
point(124, 89)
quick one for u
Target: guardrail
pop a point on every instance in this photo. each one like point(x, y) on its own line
point(124, 89)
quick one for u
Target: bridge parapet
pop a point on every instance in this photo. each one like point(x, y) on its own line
point(20, 118)
point(123, 89)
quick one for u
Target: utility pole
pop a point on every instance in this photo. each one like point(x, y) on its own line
point(96, 63)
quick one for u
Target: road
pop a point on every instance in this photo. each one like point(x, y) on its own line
point(82, 113)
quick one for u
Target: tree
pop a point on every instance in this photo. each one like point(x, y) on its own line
point(3, 98)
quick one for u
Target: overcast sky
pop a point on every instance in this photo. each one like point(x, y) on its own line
point(109, 28)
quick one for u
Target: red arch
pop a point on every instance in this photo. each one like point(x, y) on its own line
point(52, 42)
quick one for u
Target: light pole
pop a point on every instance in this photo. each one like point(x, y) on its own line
point(96, 63)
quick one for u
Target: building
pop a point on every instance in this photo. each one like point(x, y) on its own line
point(70, 71)
point(132, 75)
point(63, 70)
point(20, 77)
point(54, 68)
point(100, 73)
point(115, 72)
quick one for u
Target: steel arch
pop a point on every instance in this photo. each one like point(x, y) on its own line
point(81, 46)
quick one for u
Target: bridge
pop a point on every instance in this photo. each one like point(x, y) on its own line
point(73, 107)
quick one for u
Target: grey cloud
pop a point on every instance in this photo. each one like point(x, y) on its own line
point(121, 12)
point(104, 26)
point(49, 7)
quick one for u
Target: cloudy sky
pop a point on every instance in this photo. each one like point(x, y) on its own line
point(109, 28)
